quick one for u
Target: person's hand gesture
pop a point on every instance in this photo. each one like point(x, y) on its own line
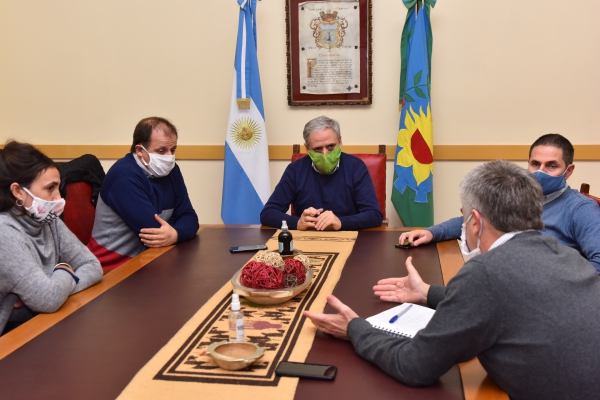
point(409, 289)
point(334, 324)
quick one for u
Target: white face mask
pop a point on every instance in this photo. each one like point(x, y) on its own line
point(43, 210)
point(464, 247)
point(159, 165)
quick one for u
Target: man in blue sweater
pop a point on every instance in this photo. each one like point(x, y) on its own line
point(329, 190)
point(568, 215)
point(143, 201)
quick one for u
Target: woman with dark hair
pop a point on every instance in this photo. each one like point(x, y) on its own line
point(41, 261)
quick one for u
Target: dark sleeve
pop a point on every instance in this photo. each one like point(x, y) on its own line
point(276, 208)
point(461, 328)
point(369, 213)
point(184, 219)
point(435, 295)
point(130, 197)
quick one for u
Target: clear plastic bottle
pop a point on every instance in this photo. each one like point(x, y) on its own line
point(286, 242)
point(236, 320)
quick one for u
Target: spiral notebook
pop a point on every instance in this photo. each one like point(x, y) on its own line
point(411, 319)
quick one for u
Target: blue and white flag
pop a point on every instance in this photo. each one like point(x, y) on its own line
point(246, 180)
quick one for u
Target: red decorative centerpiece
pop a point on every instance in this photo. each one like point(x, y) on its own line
point(295, 272)
point(258, 275)
point(269, 279)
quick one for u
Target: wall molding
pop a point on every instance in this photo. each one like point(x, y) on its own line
point(583, 152)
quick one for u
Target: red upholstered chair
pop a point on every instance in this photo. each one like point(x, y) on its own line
point(585, 190)
point(377, 169)
point(81, 179)
point(79, 211)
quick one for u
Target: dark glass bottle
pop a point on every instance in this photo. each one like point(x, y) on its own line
point(286, 242)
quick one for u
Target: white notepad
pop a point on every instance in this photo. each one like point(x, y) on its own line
point(408, 324)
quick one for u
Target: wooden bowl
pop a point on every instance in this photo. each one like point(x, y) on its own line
point(269, 296)
point(234, 355)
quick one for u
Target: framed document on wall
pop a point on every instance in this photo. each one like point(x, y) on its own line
point(329, 52)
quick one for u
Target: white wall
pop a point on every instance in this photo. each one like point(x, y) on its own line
point(86, 72)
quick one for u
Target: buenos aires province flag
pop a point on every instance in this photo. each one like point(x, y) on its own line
point(246, 179)
point(412, 191)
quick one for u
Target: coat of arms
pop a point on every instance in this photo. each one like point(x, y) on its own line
point(329, 30)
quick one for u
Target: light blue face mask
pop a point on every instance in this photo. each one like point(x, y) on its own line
point(550, 183)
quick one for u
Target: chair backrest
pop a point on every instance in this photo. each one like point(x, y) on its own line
point(80, 183)
point(377, 169)
point(585, 190)
point(79, 211)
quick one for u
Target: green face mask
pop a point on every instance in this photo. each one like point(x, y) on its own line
point(326, 163)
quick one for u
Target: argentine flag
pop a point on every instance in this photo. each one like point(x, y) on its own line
point(246, 180)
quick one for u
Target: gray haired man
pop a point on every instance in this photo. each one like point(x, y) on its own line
point(532, 323)
point(329, 190)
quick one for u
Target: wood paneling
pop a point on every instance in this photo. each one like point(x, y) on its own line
point(284, 152)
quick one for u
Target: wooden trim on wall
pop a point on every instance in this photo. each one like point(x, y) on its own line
point(583, 152)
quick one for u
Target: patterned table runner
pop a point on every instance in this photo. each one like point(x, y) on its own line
point(181, 369)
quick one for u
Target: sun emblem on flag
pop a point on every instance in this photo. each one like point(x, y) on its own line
point(245, 133)
point(416, 142)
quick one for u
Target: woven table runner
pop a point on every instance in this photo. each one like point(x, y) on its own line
point(181, 368)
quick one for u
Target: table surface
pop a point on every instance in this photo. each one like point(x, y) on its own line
point(94, 345)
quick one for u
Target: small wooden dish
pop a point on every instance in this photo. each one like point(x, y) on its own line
point(234, 356)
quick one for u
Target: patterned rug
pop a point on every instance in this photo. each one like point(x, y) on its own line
point(182, 370)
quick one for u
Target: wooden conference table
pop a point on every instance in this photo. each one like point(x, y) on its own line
point(95, 344)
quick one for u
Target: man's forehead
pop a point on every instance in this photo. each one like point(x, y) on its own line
point(546, 153)
point(161, 137)
point(325, 135)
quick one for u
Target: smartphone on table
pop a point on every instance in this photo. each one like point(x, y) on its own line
point(309, 371)
point(254, 247)
point(405, 245)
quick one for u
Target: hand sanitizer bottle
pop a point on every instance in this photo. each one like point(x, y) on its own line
point(236, 320)
point(286, 243)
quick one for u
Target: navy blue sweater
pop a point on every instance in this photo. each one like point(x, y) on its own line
point(127, 203)
point(348, 192)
